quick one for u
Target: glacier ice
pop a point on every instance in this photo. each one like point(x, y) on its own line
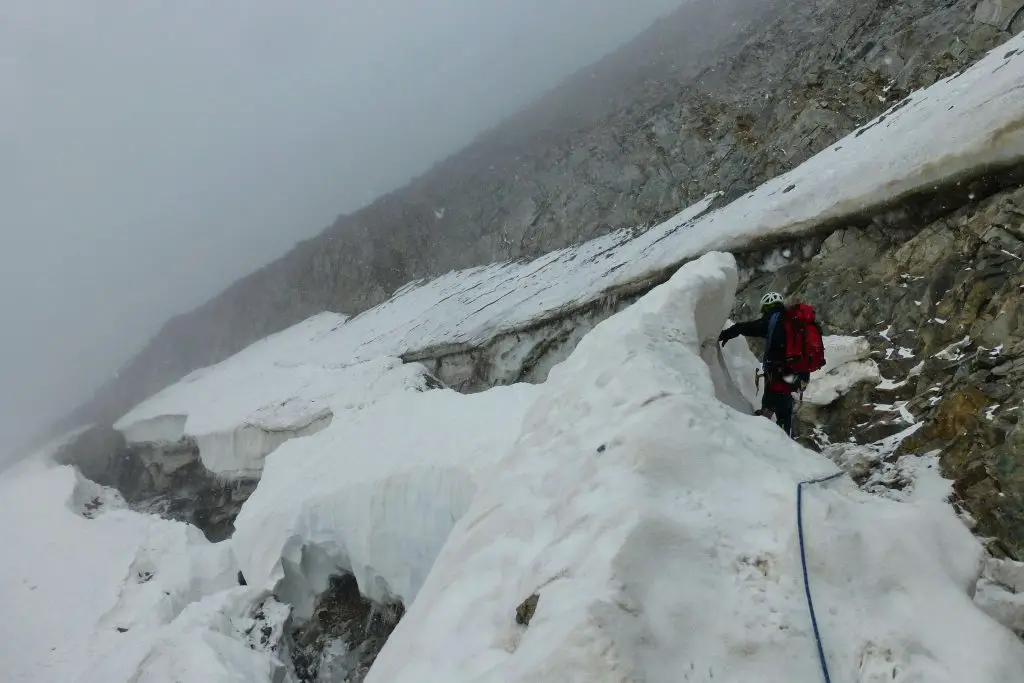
point(375, 494)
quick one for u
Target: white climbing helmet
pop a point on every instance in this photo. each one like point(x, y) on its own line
point(771, 299)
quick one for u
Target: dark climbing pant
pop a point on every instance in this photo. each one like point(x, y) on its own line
point(779, 404)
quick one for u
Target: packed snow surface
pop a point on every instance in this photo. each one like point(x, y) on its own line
point(975, 114)
point(275, 366)
point(92, 593)
point(656, 525)
point(217, 639)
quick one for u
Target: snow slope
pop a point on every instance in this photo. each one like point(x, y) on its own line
point(653, 518)
point(275, 393)
point(260, 373)
point(82, 591)
point(224, 637)
point(976, 116)
point(656, 525)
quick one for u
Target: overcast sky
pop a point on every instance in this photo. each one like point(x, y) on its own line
point(152, 151)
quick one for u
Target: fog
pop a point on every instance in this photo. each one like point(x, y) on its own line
point(152, 151)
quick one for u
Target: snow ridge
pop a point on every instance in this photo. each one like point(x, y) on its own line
point(655, 526)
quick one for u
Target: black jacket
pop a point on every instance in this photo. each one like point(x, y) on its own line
point(759, 328)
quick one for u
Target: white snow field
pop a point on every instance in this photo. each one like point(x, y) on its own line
point(657, 526)
point(963, 123)
point(69, 583)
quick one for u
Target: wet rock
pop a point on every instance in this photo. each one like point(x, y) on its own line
point(526, 610)
point(344, 636)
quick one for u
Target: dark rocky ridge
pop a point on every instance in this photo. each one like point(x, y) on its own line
point(719, 96)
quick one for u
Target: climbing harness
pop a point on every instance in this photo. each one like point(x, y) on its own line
point(803, 564)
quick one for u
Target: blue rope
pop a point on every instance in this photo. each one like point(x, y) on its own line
point(803, 563)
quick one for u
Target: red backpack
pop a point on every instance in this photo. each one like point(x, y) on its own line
point(805, 351)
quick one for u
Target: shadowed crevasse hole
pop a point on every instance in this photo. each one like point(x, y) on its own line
point(169, 480)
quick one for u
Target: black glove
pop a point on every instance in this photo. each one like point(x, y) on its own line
point(726, 335)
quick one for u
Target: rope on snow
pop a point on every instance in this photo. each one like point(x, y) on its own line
point(803, 564)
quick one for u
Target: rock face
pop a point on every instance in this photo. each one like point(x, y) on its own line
point(940, 301)
point(1003, 14)
point(721, 95)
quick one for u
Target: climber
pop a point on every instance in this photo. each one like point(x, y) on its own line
point(793, 349)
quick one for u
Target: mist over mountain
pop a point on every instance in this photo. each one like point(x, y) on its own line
point(152, 153)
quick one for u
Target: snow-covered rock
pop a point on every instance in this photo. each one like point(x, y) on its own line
point(1001, 593)
point(848, 363)
point(656, 528)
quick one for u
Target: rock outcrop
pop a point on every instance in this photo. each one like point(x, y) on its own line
point(940, 302)
point(1004, 14)
point(719, 96)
